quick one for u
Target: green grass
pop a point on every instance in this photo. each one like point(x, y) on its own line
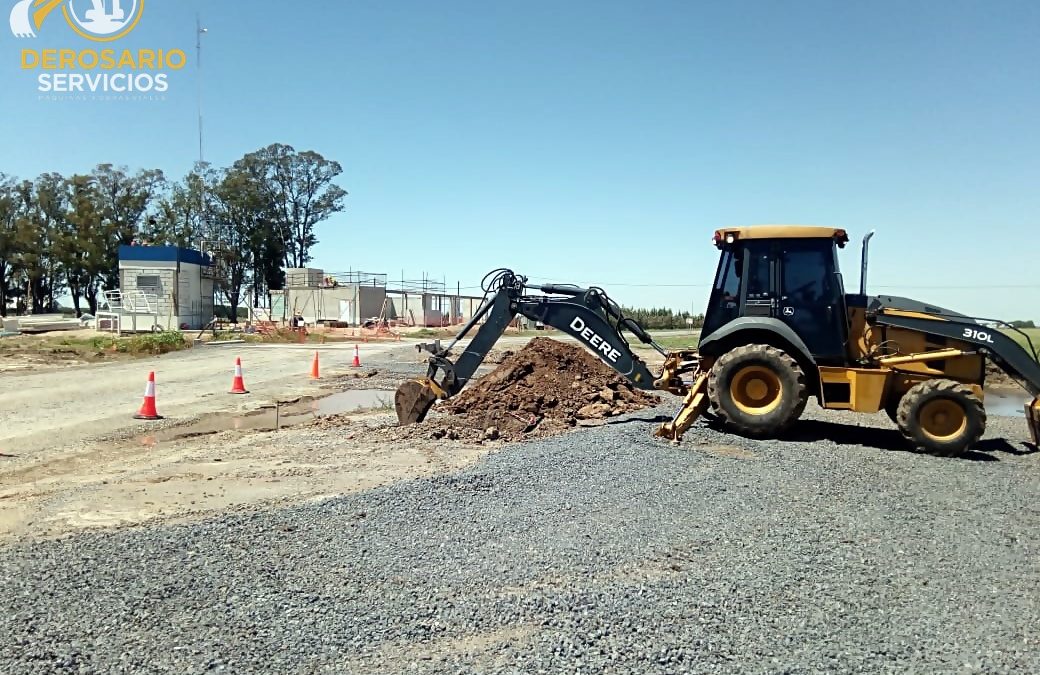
point(100, 345)
point(1034, 336)
point(147, 344)
point(682, 341)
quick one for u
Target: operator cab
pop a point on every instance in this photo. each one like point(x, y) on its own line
point(787, 273)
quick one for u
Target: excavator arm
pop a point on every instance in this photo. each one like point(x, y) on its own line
point(586, 314)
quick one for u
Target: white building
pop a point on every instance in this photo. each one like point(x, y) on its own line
point(160, 288)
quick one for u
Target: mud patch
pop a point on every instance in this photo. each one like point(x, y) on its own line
point(277, 416)
point(545, 388)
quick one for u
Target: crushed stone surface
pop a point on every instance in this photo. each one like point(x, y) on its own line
point(832, 550)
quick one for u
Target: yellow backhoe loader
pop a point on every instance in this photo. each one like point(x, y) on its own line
point(778, 329)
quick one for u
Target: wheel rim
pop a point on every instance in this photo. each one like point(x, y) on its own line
point(756, 390)
point(942, 419)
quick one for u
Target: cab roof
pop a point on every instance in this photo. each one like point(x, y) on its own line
point(781, 232)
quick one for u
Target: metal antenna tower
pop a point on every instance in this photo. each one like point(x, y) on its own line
point(199, 30)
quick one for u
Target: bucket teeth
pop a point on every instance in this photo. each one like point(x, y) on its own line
point(413, 400)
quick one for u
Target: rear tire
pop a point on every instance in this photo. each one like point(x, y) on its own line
point(757, 390)
point(941, 417)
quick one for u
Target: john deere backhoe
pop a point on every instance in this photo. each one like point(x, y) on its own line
point(778, 329)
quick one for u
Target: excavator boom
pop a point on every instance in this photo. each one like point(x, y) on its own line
point(587, 314)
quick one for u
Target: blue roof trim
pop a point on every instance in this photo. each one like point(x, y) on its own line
point(163, 254)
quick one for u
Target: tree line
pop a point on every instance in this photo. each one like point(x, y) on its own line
point(61, 234)
point(663, 318)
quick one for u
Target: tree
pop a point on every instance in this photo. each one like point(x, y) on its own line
point(184, 210)
point(123, 202)
point(82, 246)
point(9, 213)
point(300, 190)
point(240, 209)
point(259, 216)
point(43, 205)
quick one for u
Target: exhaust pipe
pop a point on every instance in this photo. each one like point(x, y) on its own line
point(863, 264)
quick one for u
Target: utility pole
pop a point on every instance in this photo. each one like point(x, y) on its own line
point(199, 30)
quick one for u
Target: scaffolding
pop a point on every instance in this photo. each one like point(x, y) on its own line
point(372, 279)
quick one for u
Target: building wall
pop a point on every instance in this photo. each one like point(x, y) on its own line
point(347, 302)
point(194, 297)
point(340, 304)
point(365, 302)
point(370, 301)
point(184, 296)
point(158, 278)
point(305, 302)
point(468, 306)
point(406, 307)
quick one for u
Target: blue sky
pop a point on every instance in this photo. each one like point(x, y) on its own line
point(602, 142)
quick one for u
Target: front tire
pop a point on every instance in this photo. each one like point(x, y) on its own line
point(757, 390)
point(941, 417)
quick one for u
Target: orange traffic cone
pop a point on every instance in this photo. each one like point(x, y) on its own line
point(147, 411)
point(238, 385)
point(314, 367)
point(357, 357)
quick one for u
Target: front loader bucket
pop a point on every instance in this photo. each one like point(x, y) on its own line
point(413, 400)
point(1033, 420)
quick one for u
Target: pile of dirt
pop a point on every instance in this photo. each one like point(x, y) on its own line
point(545, 388)
point(996, 377)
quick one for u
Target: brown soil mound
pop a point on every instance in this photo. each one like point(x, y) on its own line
point(545, 388)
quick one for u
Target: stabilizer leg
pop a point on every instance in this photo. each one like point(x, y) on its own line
point(695, 403)
point(1033, 420)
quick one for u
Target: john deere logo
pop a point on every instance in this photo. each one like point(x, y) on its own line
point(100, 70)
point(96, 20)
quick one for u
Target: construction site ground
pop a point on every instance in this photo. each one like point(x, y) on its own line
point(72, 455)
point(452, 544)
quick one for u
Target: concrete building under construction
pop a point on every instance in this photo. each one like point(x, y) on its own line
point(357, 298)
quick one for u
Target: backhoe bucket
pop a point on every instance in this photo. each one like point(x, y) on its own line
point(413, 400)
point(1033, 420)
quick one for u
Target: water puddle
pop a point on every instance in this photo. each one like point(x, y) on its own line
point(272, 417)
point(1006, 403)
point(353, 400)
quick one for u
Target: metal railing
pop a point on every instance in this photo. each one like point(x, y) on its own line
point(130, 305)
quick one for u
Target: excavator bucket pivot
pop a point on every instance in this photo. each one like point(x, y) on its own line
point(413, 400)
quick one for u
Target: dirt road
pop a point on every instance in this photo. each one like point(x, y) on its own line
point(60, 407)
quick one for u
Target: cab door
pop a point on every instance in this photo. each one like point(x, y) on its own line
point(810, 299)
point(759, 296)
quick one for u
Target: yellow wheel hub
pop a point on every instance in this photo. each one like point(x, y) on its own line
point(756, 390)
point(942, 419)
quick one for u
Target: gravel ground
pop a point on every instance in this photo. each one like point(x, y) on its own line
point(601, 551)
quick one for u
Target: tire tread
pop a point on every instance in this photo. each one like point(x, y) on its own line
point(771, 356)
point(944, 388)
